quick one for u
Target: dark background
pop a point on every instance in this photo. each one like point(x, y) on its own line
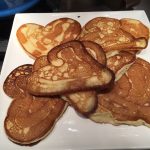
point(70, 6)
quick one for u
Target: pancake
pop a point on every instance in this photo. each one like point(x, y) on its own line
point(135, 27)
point(107, 32)
point(71, 69)
point(129, 100)
point(40, 62)
point(119, 62)
point(84, 102)
point(9, 86)
point(37, 40)
point(96, 51)
point(31, 119)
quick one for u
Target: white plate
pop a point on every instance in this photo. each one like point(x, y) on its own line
point(71, 131)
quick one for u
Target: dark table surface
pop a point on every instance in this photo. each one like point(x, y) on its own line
point(70, 6)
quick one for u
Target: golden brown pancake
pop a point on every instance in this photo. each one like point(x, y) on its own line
point(119, 62)
point(86, 102)
point(108, 33)
point(129, 100)
point(40, 62)
point(83, 102)
point(116, 60)
point(29, 119)
point(103, 24)
point(135, 27)
point(71, 69)
point(95, 51)
point(37, 40)
point(32, 118)
point(9, 86)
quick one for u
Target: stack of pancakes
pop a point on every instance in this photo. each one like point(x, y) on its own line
point(93, 69)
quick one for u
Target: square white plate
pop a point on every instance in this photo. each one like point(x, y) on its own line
point(71, 131)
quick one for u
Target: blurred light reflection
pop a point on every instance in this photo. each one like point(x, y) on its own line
point(72, 130)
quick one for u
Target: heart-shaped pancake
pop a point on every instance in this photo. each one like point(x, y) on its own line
point(107, 32)
point(83, 102)
point(71, 69)
point(37, 40)
point(129, 100)
point(32, 118)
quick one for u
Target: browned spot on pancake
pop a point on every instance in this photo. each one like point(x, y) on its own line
point(40, 62)
point(40, 46)
point(36, 53)
point(21, 36)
